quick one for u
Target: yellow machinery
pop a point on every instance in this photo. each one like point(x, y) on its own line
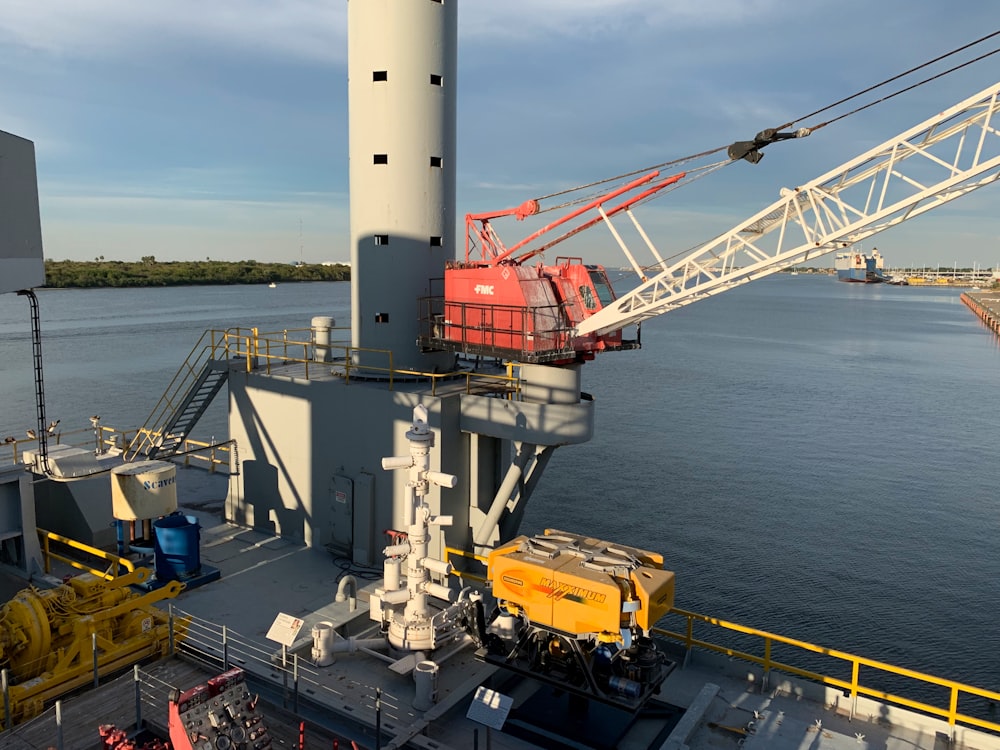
point(577, 612)
point(47, 637)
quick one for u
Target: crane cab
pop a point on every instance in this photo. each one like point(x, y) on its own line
point(520, 312)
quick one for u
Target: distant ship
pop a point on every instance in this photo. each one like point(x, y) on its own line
point(854, 266)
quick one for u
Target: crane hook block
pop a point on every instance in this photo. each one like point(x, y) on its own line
point(750, 150)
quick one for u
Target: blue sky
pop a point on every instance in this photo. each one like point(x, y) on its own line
point(188, 130)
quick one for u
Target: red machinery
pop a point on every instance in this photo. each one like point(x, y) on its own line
point(499, 306)
point(220, 713)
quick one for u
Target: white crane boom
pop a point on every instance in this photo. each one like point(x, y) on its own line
point(943, 158)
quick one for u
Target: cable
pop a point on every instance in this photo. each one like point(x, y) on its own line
point(901, 75)
point(904, 90)
point(776, 135)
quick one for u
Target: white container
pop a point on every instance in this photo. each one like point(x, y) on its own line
point(322, 650)
point(321, 326)
point(143, 490)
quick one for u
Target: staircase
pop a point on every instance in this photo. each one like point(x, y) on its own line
point(189, 394)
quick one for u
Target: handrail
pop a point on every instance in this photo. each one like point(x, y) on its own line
point(462, 574)
point(48, 555)
point(260, 351)
point(200, 354)
point(854, 686)
point(951, 714)
point(99, 438)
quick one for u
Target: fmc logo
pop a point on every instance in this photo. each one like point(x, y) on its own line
point(484, 289)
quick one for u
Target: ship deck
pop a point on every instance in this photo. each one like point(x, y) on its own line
point(706, 703)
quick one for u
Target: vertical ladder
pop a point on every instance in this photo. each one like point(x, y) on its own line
point(36, 355)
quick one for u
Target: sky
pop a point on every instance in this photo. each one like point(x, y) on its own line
point(193, 130)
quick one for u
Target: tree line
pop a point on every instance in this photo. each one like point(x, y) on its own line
point(65, 274)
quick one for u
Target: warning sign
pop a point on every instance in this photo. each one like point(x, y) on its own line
point(284, 629)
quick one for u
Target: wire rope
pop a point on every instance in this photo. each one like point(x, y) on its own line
point(712, 167)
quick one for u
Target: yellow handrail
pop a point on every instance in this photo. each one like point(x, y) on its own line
point(951, 714)
point(449, 551)
point(48, 555)
point(854, 686)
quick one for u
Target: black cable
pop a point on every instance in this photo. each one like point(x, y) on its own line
point(904, 90)
point(901, 75)
point(789, 124)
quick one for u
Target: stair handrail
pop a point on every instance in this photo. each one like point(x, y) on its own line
point(201, 353)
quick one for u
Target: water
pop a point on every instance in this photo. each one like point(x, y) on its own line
point(813, 458)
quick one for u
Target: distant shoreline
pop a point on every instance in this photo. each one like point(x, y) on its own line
point(149, 272)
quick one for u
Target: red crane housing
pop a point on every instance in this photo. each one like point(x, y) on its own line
point(498, 305)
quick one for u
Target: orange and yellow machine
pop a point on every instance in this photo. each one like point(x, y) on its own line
point(578, 611)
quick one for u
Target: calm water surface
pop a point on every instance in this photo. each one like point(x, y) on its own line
point(813, 458)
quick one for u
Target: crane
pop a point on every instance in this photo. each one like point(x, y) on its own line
point(558, 314)
point(945, 157)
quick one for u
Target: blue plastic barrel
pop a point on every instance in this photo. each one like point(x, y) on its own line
point(176, 542)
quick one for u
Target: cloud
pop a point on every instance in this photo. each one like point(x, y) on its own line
point(299, 29)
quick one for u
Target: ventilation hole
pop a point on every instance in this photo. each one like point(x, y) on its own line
point(435, 161)
point(380, 159)
point(381, 239)
point(436, 80)
point(380, 75)
point(437, 241)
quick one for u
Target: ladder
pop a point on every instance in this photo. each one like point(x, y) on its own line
point(190, 393)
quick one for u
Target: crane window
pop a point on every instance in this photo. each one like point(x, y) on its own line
point(435, 161)
point(380, 159)
point(587, 296)
point(380, 75)
point(436, 80)
point(602, 287)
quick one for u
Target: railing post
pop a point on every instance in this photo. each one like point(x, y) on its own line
point(138, 698)
point(5, 684)
point(295, 684)
point(170, 627)
point(59, 732)
point(953, 711)
point(284, 676)
point(225, 648)
point(767, 663)
point(855, 668)
point(690, 639)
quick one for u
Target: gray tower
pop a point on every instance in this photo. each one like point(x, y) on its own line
point(402, 71)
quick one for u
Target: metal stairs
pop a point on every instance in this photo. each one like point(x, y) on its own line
point(194, 387)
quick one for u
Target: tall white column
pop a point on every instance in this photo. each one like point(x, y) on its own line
point(402, 69)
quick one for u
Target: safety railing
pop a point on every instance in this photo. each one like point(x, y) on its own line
point(211, 346)
point(48, 555)
point(854, 686)
point(100, 438)
point(766, 660)
point(463, 574)
point(200, 453)
point(265, 352)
